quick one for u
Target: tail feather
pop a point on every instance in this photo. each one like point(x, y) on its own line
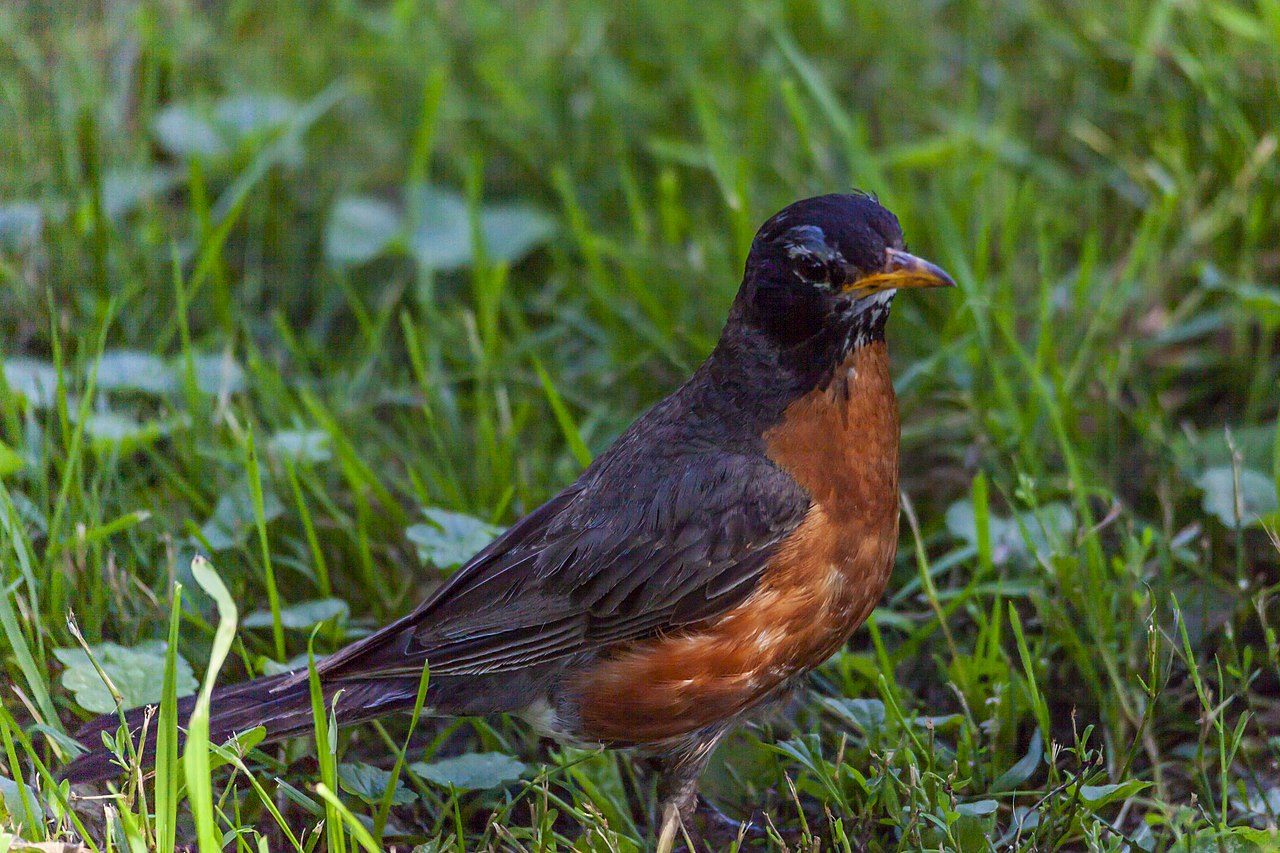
point(281, 705)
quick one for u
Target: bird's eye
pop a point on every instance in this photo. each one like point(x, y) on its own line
point(811, 269)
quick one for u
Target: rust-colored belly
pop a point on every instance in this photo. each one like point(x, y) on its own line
point(841, 444)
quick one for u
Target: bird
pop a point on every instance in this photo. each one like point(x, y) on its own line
point(727, 543)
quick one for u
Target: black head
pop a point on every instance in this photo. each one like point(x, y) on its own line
point(821, 274)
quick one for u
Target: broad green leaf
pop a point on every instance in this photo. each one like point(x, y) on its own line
point(184, 132)
point(1254, 444)
point(475, 771)
point(1143, 838)
point(511, 231)
point(938, 722)
point(276, 149)
point(1008, 539)
point(300, 616)
point(806, 749)
point(1257, 495)
point(135, 370)
point(978, 808)
point(259, 116)
point(441, 235)
point(360, 229)
point(303, 445)
point(137, 672)
point(273, 667)
point(1024, 818)
point(1233, 840)
point(20, 224)
point(232, 518)
point(1259, 803)
point(34, 380)
point(1020, 772)
point(1096, 796)
point(237, 747)
point(13, 813)
point(110, 431)
point(218, 374)
point(124, 189)
point(370, 783)
point(255, 113)
point(448, 539)
point(973, 831)
point(865, 714)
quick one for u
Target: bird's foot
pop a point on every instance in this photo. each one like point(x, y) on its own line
point(711, 829)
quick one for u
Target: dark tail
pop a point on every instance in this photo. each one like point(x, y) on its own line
point(283, 708)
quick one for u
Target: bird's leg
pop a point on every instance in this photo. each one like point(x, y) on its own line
point(706, 825)
point(678, 800)
point(679, 773)
point(671, 824)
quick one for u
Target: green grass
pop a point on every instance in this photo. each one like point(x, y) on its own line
point(1077, 650)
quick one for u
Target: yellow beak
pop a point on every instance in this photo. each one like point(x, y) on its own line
point(901, 270)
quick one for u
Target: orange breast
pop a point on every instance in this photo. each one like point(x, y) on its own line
point(841, 444)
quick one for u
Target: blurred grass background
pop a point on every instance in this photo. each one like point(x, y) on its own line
point(391, 257)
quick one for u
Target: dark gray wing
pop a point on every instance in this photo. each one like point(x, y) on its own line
point(605, 561)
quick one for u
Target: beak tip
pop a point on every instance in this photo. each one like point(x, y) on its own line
point(904, 270)
point(926, 274)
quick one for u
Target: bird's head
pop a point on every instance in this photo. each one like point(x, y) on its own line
point(822, 272)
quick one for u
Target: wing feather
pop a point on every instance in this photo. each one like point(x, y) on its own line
point(620, 555)
point(694, 548)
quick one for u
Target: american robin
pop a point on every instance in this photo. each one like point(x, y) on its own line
point(731, 540)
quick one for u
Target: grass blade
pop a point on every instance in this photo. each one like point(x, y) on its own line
point(568, 428)
point(167, 768)
point(260, 522)
point(195, 758)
